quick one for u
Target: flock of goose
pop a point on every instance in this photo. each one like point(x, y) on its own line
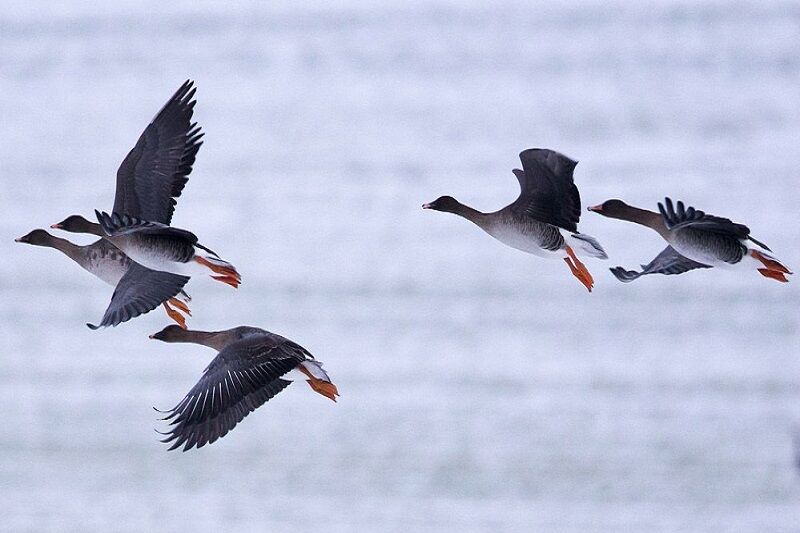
point(149, 262)
point(543, 221)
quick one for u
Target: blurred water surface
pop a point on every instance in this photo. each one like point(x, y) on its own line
point(482, 389)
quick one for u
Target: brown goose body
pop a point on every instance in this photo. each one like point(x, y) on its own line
point(696, 240)
point(252, 365)
point(150, 179)
point(137, 290)
point(543, 220)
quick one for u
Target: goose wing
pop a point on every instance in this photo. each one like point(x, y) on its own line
point(547, 188)
point(667, 262)
point(156, 170)
point(244, 375)
point(138, 292)
point(678, 216)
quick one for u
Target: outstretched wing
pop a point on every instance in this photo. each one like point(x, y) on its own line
point(243, 376)
point(155, 171)
point(667, 262)
point(138, 292)
point(547, 189)
point(680, 216)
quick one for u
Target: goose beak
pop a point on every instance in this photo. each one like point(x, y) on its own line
point(20, 239)
point(55, 226)
point(595, 208)
point(427, 206)
point(153, 336)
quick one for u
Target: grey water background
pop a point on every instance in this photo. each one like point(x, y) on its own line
point(482, 389)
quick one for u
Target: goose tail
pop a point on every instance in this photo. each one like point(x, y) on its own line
point(588, 245)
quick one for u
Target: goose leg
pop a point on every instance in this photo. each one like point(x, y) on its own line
point(773, 274)
point(326, 388)
point(175, 315)
point(228, 280)
point(180, 305)
point(770, 263)
point(226, 269)
point(579, 270)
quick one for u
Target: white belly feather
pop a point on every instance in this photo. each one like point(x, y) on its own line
point(511, 236)
point(154, 261)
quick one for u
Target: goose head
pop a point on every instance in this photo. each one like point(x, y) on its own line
point(37, 237)
point(171, 333)
point(447, 204)
point(78, 224)
point(612, 208)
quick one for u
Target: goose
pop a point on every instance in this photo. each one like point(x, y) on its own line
point(252, 365)
point(138, 290)
point(543, 220)
point(154, 245)
point(150, 178)
point(696, 240)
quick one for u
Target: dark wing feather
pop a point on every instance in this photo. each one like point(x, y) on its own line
point(678, 216)
point(155, 171)
point(243, 376)
point(667, 262)
point(116, 224)
point(138, 292)
point(547, 189)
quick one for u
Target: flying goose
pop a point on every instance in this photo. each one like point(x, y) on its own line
point(138, 289)
point(696, 240)
point(252, 366)
point(149, 180)
point(543, 220)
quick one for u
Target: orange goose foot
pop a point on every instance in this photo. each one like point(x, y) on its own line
point(175, 315)
point(180, 305)
point(579, 270)
point(326, 388)
point(773, 274)
point(226, 270)
point(770, 263)
point(228, 280)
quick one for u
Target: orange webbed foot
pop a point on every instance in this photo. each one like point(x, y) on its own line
point(773, 274)
point(770, 263)
point(228, 280)
point(579, 270)
point(226, 270)
point(176, 316)
point(326, 388)
point(180, 305)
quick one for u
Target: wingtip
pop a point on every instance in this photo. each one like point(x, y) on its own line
point(623, 275)
point(184, 88)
